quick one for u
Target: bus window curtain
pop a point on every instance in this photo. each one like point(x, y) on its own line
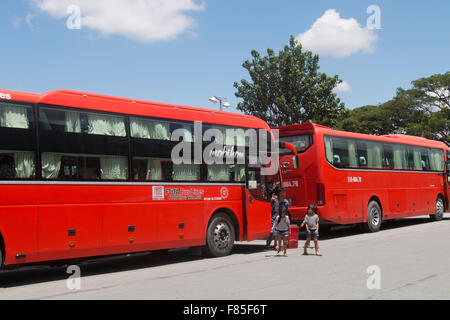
point(186, 172)
point(437, 160)
point(14, 116)
point(239, 173)
point(329, 149)
point(147, 129)
point(73, 123)
point(154, 170)
point(353, 159)
point(218, 172)
point(24, 163)
point(114, 168)
point(417, 160)
point(106, 125)
point(51, 165)
point(140, 129)
point(188, 137)
point(374, 155)
point(399, 158)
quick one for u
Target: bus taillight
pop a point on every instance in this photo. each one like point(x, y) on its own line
point(320, 188)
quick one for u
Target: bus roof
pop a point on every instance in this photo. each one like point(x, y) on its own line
point(394, 138)
point(91, 101)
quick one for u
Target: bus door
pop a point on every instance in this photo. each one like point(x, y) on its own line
point(257, 215)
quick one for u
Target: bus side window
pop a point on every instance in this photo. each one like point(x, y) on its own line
point(7, 170)
point(362, 153)
point(388, 156)
point(340, 152)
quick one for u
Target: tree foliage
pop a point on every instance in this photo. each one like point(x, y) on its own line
point(288, 88)
point(423, 110)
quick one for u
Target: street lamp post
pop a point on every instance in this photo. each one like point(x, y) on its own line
point(216, 99)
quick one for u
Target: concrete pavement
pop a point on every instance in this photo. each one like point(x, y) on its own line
point(409, 259)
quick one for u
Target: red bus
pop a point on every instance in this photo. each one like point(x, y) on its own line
point(363, 179)
point(85, 175)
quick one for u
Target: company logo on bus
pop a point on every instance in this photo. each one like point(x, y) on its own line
point(224, 193)
point(354, 179)
point(158, 193)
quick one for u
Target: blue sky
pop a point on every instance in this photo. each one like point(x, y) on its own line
point(186, 51)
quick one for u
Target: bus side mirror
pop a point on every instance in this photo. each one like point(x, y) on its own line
point(295, 161)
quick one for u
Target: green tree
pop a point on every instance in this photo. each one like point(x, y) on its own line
point(423, 110)
point(288, 88)
point(428, 103)
point(367, 119)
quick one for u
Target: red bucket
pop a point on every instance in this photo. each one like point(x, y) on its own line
point(293, 238)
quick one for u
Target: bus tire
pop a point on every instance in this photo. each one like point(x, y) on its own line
point(439, 211)
point(219, 236)
point(374, 217)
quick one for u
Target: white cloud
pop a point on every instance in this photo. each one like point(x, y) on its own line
point(142, 20)
point(344, 86)
point(334, 36)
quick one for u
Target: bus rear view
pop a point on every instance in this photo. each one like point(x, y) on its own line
point(302, 184)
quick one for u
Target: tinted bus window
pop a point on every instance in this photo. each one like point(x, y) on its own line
point(388, 156)
point(82, 122)
point(150, 129)
point(374, 155)
point(362, 154)
point(400, 157)
point(15, 116)
point(17, 155)
point(421, 159)
point(186, 172)
point(341, 152)
point(150, 169)
point(83, 167)
point(300, 142)
point(17, 165)
point(219, 172)
point(437, 160)
point(239, 172)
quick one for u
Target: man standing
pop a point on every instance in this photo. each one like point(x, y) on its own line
point(277, 203)
point(283, 202)
point(275, 210)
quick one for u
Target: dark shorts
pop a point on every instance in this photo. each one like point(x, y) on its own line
point(278, 233)
point(314, 235)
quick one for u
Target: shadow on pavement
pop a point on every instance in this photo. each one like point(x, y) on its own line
point(39, 274)
point(351, 230)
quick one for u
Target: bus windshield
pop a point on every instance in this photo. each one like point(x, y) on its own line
point(300, 142)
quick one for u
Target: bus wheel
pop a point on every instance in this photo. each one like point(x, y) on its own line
point(219, 236)
point(374, 217)
point(439, 212)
